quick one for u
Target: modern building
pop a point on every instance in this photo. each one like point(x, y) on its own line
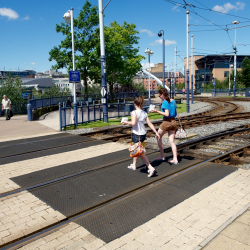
point(64, 83)
point(21, 74)
point(205, 68)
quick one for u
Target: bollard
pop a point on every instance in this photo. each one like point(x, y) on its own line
point(29, 111)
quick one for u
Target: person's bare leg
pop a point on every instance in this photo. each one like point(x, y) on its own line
point(150, 168)
point(171, 134)
point(160, 144)
point(133, 165)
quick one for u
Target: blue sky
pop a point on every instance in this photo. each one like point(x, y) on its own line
point(28, 28)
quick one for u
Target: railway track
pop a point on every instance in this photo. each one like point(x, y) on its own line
point(224, 148)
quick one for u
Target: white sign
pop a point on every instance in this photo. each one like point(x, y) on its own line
point(103, 100)
point(103, 92)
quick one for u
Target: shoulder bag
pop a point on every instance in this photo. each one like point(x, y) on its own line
point(180, 133)
point(136, 149)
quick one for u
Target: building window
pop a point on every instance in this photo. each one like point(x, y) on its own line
point(226, 73)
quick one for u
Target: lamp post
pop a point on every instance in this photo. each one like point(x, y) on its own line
point(149, 52)
point(235, 51)
point(161, 33)
point(68, 17)
point(187, 12)
point(229, 88)
point(103, 64)
point(192, 62)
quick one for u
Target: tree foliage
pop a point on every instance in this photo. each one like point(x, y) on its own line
point(12, 88)
point(84, 44)
point(245, 72)
point(123, 60)
point(122, 57)
point(53, 91)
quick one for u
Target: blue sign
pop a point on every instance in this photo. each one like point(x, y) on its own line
point(74, 76)
point(214, 83)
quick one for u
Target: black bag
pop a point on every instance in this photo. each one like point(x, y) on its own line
point(11, 113)
point(2, 113)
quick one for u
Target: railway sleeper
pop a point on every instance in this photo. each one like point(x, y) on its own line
point(239, 160)
point(198, 154)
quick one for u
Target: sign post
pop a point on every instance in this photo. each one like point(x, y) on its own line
point(214, 87)
point(74, 76)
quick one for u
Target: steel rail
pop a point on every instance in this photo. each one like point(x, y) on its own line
point(48, 230)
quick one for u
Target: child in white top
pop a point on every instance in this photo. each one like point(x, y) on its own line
point(138, 117)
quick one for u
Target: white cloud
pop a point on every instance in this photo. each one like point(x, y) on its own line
point(26, 18)
point(33, 63)
point(228, 6)
point(11, 14)
point(145, 65)
point(150, 33)
point(159, 42)
point(175, 8)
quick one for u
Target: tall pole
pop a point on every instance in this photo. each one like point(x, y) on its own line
point(73, 60)
point(175, 72)
point(192, 62)
point(163, 67)
point(149, 79)
point(187, 12)
point(171, 81)
point(103, 63)
point(235, 63)
point(229, 78)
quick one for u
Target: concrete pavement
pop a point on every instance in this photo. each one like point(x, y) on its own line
point(218, 217)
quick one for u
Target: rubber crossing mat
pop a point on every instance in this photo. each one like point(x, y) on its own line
point(33, 139)
point(74, 195)
point(52, 151)
point(40, 145)
point(48, 174)
point(119, 218)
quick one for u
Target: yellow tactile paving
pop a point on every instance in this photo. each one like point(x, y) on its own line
point(14, 169)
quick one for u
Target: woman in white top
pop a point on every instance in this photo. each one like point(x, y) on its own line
point(138, 117)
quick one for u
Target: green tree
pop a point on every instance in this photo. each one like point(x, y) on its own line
point(12, 88)
point(53, 91)
point(245, 72)
point(84, 41)
point(123, 60)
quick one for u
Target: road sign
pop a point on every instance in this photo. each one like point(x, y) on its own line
point(103, 92)
point(74, 76)
point(103, 100)
point(214, 83)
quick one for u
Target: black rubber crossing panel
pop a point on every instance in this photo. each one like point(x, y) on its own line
point(119, 218)
point(40, 145)
point(48, 174)
point(83, 192)
point(33, 139)
point(52, 151)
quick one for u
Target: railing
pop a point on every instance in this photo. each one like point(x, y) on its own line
point(88, 113)
point(18, 108)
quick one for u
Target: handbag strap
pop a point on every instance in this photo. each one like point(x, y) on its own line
point(178, 116)
point(137, 127)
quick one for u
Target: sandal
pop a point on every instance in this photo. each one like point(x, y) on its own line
point(173, 163)
point(131, 167)
point(151, 172)
point(160, 159)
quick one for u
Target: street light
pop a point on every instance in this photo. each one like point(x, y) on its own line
point(235, 51)
point(149, 52)
point(230, 66)
point(187, 13)
point(68, 17)
point(161, 33)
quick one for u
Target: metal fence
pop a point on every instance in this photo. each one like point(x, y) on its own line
point(94, 112)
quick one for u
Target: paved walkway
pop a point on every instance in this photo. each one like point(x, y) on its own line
point(218, 217)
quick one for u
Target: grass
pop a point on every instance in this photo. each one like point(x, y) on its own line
point(117, 121)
